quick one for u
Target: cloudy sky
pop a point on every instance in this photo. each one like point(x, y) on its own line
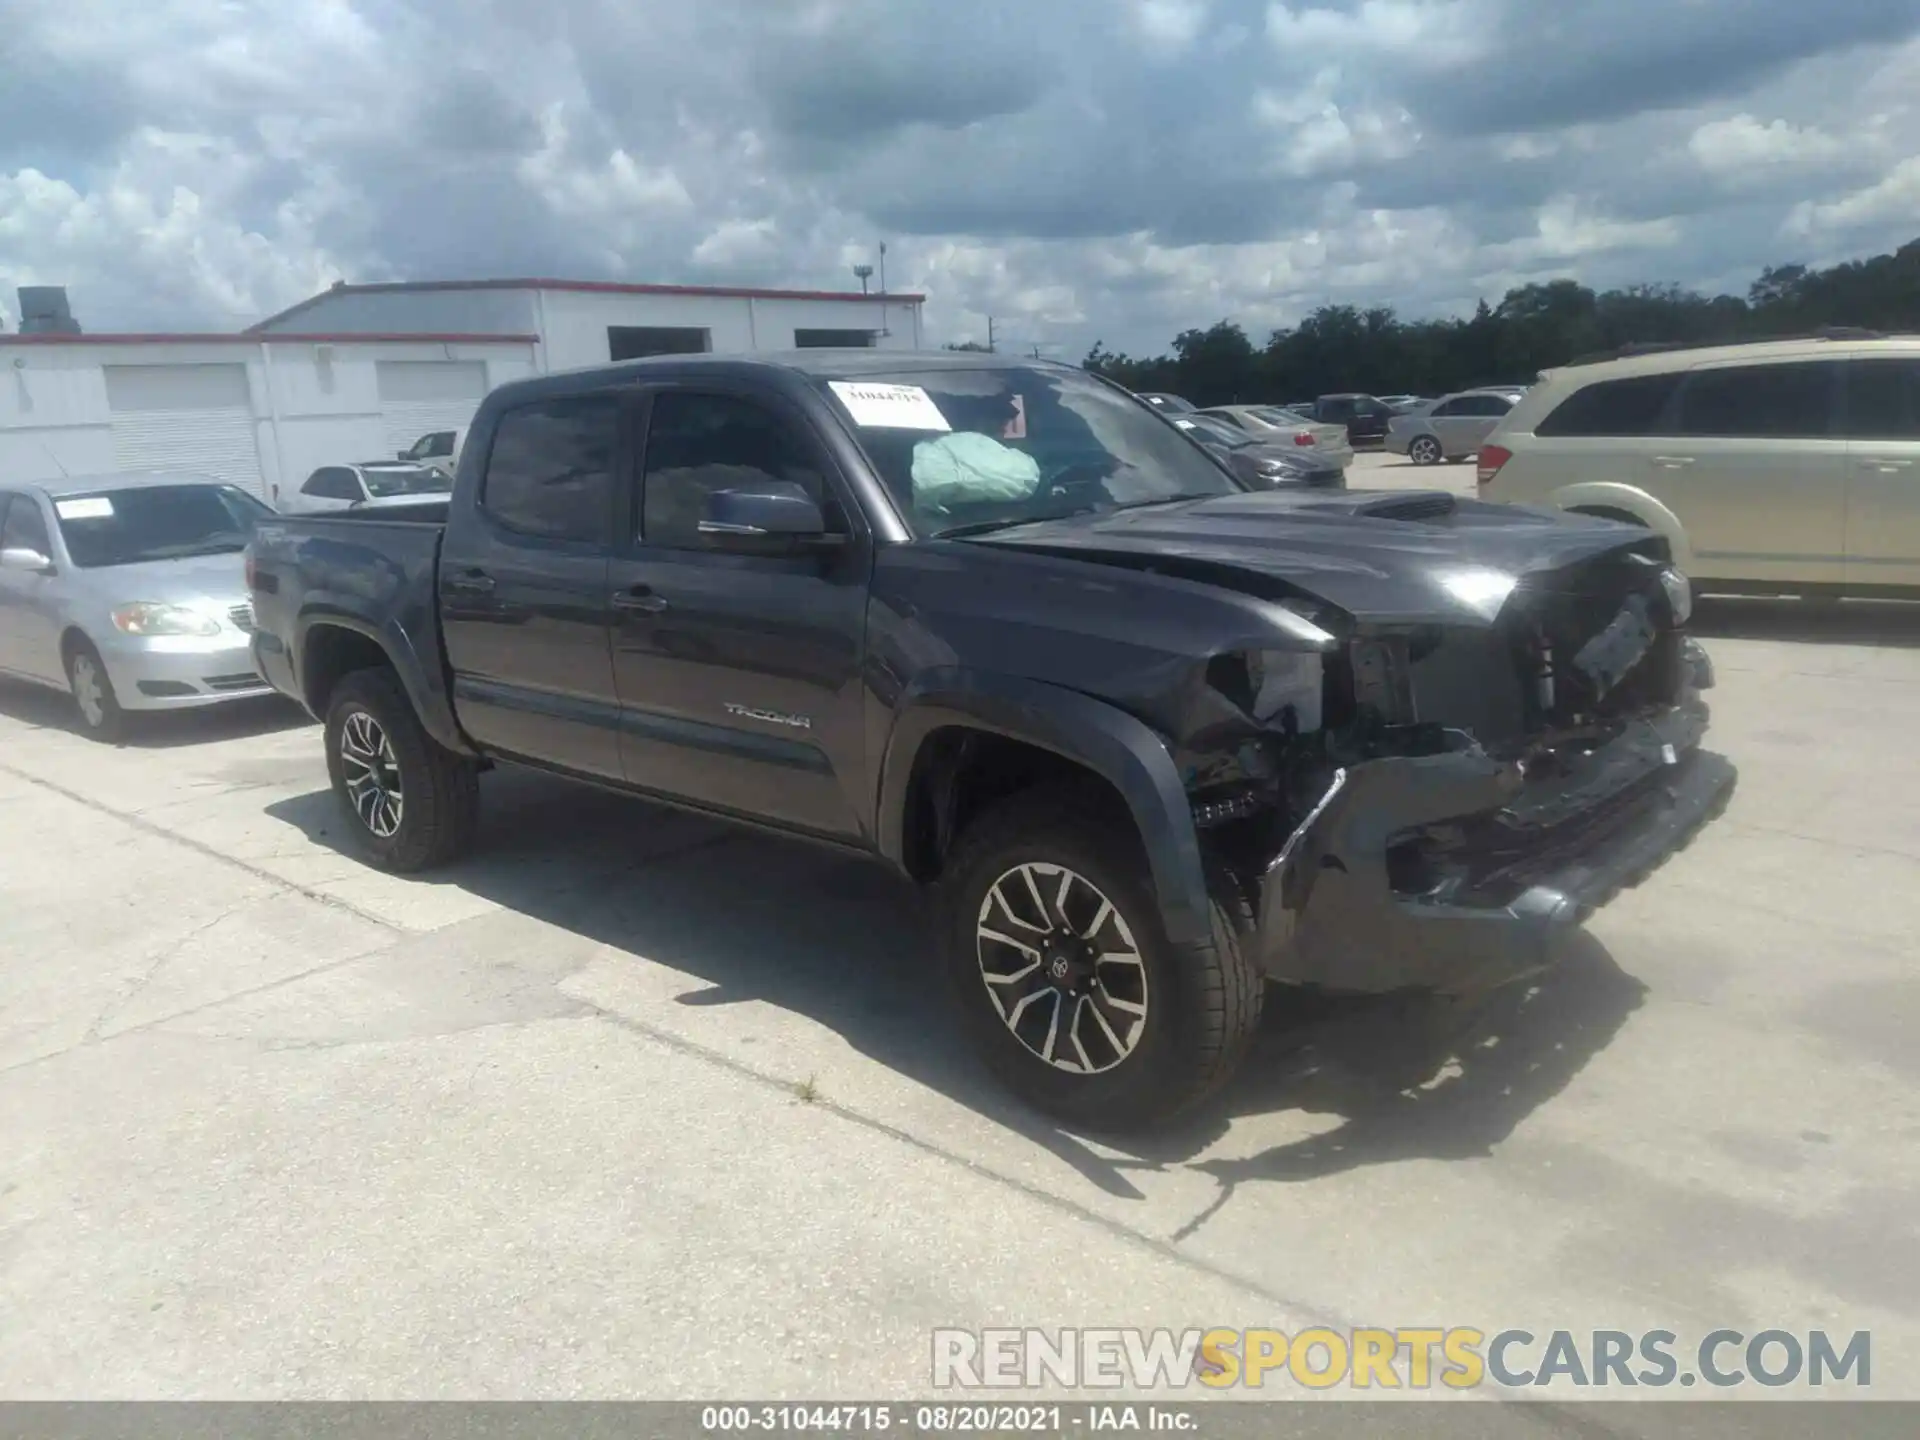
point(1082, 169)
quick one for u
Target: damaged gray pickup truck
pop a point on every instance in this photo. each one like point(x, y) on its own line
point(1163, 749)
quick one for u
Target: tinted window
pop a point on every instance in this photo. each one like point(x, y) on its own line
point(156, 522)
point(1613, 407)
point(332, 483)
point(1776, 402)
point(24, 528)
point(1334, 409)
point(1225, 419)
point(833, 339)
point(1482, 405)
point(1449, 407)
point(697, 444)
point(1883, 399)
point(550, 471)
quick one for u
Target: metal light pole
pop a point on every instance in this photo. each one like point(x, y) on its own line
point(884, 330)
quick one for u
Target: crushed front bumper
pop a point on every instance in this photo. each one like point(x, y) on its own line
point(1526, 859)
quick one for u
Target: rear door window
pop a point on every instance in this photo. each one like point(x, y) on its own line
point(332, 483)
point(1613, 408)
point(550, 470)
point(1773, 402)
point(1883, 400)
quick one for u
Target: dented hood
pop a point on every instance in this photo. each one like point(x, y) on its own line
point(1381, 556)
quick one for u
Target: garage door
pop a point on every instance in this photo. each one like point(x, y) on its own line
point(418, 397)
point(184, 417)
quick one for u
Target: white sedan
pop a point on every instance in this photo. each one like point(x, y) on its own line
point(346, 487)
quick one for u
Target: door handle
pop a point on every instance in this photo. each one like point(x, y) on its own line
point(1673, 462)
point(638, 598)
point(470, 582)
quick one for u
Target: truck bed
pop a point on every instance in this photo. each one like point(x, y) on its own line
point(371, 571)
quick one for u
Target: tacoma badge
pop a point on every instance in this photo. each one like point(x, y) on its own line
point(771, 717)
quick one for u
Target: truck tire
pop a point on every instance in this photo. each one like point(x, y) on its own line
point(412, 802)
point(1065, 981)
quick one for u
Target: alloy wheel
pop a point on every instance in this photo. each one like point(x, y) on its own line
point(371, 773)
point(1062, 968)
point(1425, 451)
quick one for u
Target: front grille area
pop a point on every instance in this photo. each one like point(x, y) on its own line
point(249, 681)
point(242, 617)
point(1522, 679)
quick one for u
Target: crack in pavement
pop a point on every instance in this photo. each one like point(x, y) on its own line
point(120, 1002)
point(160, 832)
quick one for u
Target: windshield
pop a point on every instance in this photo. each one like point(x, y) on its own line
point(1215, 432)
point(156, 522)
point(978, 449)
point(407, 480)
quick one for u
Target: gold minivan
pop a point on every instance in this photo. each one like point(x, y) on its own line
point(1772, 467)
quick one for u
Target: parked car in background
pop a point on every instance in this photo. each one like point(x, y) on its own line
point(1286, 427)
point(1149, 740)
point(1770, 467)
point(379, 482)
point(1264, 464)
point(1405, 404)
point(128, 591)
point(1170, 404)
point(437, 450)
point(1451, 429)
point(1364, 417)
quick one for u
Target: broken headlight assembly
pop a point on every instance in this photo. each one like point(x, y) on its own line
point(1286, 679)
point(1679, 594)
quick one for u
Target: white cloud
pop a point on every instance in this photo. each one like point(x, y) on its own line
point(1169, 22)
point(206, 161)
point(1740, 144)
point(1894, 199)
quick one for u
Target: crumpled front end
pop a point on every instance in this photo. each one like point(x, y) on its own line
point(1455, 799)
point(1451, 872)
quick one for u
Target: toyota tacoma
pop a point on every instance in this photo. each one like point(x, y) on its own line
point(1162, 747)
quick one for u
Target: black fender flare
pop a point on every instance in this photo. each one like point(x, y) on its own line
point(419, 678)
point(1104, 739)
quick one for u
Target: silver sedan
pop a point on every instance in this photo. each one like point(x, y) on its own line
point(128, 591)
point(1452, 428)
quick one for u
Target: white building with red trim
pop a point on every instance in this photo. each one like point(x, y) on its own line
point(359, 372)
point(589, 322)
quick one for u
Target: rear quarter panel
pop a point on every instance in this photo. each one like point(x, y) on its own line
point(375, 578)
point(1582, 472)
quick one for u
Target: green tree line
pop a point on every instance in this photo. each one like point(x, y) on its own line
point(1533, 328)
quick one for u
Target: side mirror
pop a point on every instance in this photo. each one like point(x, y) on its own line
point(772, 518)
point(21, 557)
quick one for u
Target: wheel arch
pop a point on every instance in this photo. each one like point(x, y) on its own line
point(1024, 731)
point(1601, 496)
point(333, 645)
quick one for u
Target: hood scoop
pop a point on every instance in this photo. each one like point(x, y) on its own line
point(1415, 505)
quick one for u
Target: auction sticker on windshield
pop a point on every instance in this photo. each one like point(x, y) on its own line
point(889, 407)
point(89, 507)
